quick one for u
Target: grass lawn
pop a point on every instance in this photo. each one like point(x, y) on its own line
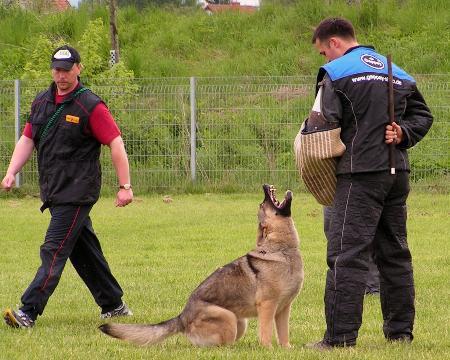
point(160, 252)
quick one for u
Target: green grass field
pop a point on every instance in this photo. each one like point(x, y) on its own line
point(160, 252)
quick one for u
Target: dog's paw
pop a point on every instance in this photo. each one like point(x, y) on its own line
point(267, 344)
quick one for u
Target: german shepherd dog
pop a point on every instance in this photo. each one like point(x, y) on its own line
point(263, 284)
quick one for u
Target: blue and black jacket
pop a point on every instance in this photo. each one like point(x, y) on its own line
point(355, 94)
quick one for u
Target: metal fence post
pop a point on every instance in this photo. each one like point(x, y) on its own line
point(193, 127)
point(17, 120)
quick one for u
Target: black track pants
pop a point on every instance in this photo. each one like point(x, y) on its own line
point(70, 235)
point(369, 211)
point(373, 275)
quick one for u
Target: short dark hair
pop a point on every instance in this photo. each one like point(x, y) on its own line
point(333, 27)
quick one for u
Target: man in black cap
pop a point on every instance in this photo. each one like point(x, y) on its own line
point(67, 126)
point(64, 57)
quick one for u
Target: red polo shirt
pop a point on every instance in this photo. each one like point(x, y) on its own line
point(101, 123)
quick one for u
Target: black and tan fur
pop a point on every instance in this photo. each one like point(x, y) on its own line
point(263, 284)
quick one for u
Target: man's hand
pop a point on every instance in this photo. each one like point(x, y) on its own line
point(22, 152)
point(8, 182)
point(124, 197)
point(120, 160)
point(393, 133)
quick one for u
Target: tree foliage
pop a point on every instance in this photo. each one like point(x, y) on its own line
point(93, 58)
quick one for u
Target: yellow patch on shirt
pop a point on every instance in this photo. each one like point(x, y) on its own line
point(73, 119)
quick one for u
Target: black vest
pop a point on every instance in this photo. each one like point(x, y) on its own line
point(68, 155)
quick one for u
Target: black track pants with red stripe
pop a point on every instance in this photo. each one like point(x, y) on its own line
point(369, 211)
point(70, 236)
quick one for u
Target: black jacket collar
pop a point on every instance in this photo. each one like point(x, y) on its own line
point(359, 46)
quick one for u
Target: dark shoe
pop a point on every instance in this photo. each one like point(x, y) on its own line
point(372, 291)
point(17, 319)
point(122, 310)
point(324, 345)
point(407, 339)
point(321, 345)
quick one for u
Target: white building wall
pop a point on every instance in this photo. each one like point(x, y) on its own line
point(242, 2)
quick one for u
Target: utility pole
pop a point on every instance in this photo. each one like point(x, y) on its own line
point(115, 55)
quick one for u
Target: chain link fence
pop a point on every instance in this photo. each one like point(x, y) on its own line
point(217, 134)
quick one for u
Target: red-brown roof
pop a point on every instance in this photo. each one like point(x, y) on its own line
point(48, 5)
point(61, 5)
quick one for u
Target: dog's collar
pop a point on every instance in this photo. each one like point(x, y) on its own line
point(265, 254)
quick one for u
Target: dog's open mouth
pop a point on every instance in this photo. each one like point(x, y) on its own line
point(285, 205)
point(274, 199)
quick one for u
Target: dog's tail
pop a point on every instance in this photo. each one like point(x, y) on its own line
point(143, 334)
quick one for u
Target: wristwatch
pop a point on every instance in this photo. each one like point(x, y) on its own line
point(125, 186)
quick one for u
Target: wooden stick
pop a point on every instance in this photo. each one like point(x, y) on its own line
point(391, 114)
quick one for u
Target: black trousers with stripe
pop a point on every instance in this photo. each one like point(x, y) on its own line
point(373, 276)
point(70, 236)
point(369, 211)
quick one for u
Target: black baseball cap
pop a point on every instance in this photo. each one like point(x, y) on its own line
point(64, 57)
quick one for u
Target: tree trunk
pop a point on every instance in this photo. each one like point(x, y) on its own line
point(113, 30)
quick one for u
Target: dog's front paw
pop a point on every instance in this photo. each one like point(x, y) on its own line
point(267, 345)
